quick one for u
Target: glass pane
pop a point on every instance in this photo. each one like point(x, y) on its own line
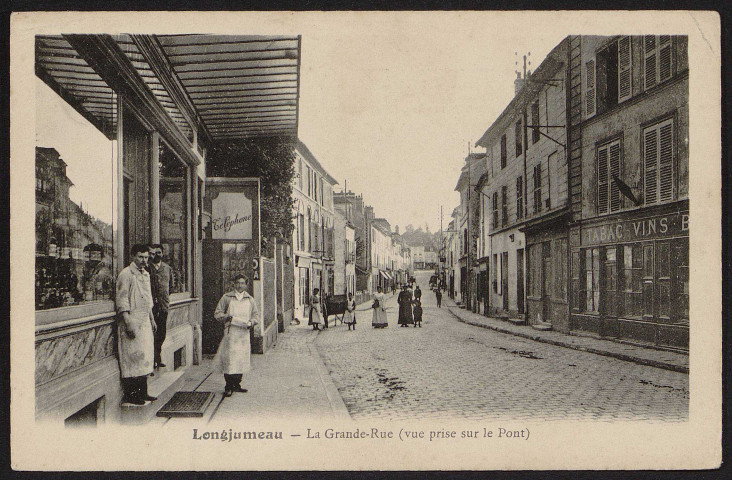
point(664, 260)
point(173, 189)
point(664, 299)
point(75, 158)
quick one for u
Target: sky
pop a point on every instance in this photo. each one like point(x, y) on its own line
point(394, 113)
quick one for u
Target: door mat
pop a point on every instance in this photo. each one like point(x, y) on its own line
point(186, 404)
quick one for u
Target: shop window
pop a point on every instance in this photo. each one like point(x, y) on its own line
point(504, 151)
point(632, 281)
point(173, 197)
point(610, 282)
point(519, 198)
point(304, 291)
point(75, 155)
point(663, 279)
point(680, 281)
point(592, 280)
point(608, 168)
point(560, 269)
point(518, 136)
point(648, 280)
point(658, 174)
point(577, 287)
point(658, 59)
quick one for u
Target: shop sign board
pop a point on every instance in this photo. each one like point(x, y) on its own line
point(648, 228)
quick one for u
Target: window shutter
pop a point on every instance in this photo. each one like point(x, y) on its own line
point(590, 90)
point(650, 157)
point(602, 180)
point(614, 161)
point(665, 164)
point(649, 47)
point(664, 58)
point(625, 77)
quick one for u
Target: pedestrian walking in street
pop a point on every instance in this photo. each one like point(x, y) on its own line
point(161, 281)
point(349, 317)
point(417, 293)
point(135, 328)
point(417, 312)
point(405, 308)
point(379, 310)
point(438, 295)
point(239, 312)
point(315, 317)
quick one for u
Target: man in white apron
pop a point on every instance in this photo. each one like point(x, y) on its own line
point(238, 310)
point(135, 328)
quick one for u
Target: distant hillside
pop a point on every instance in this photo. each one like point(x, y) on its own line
point(419, 237)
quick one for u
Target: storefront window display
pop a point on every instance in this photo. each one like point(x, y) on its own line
point(75, 161)
point(173, 188)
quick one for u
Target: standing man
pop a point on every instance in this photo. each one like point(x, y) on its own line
point(417, 293)
point(161, 280)
point(438, 295)
point(135, 328)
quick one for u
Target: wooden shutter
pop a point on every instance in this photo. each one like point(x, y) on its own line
point(665, 58)
point(602, 179)
point(650, 159)
point(625, 77)
point(590, 89)
point(614, 166)
point(649, 48)
point(665, 161)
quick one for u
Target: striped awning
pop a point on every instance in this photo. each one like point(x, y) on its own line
point(223, 87)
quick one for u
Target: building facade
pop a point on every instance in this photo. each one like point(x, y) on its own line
point(355, 211)
point(345, 255)
point(629, 178)
point(313, 235)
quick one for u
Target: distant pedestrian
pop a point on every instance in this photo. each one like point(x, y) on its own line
point(438, 295)
point(393, 289)
point(379, 309)
point(349, 317)
point(405, 307)
point(417, 312)
point(239, 312)
point(417, 293)
point(316, 312)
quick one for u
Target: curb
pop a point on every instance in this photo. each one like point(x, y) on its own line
point(596, 351)
point(337, 406)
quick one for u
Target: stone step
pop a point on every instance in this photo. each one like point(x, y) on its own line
point(163, 385)
point(543, 326)
point(516, 321)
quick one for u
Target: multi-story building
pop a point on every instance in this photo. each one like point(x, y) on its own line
point(468, 219)
point(313, 236)
point(430, 259)
point(382, 254)
point(524, 224)
point(628, 180)
point(418, 256)
point(353, 208)
point(345, 255)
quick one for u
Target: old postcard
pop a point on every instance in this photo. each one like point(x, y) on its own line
point(365, 240)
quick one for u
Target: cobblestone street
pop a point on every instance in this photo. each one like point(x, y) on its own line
point(450, 369)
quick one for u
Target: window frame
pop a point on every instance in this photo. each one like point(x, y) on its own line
point(610, 186)
point(504, 151)
point(519, 197)
point(519, 137)
point(657, 125)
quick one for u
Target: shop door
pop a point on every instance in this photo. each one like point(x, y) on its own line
point(504, 279)
point(222, 261)
point(520, 280)
point(546, 287)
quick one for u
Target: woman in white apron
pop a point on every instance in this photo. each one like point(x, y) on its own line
point(379, 308)
point(238, 310)
point(349, 316)
point(316, 311)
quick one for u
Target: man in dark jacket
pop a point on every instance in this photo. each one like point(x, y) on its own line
point(161, 281)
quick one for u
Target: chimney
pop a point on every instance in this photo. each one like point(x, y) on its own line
point(518, 83)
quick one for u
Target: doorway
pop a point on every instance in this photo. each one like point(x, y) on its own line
point(546, 272)
point(504, 280)
point(520, 280)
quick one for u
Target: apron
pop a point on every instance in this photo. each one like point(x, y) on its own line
point(316, 315)
point(350, 317)
point(136, 355)
point(232, 356)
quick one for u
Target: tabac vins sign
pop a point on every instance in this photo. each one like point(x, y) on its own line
point(623, 231)
point(231, 217)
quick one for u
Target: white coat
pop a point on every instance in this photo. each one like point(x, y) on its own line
point(133, 295)
point(235, 348)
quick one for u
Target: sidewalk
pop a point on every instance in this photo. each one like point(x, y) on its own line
point(677, 362)
point(289, 380)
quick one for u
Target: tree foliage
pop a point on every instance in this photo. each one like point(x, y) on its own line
point(273, 161)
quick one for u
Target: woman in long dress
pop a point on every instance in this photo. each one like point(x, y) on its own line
point(379, 308)
point(405, 308)
point(238, 310)
point(349, 316)
point(316, 311)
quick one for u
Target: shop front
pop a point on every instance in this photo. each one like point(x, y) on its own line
point(507, 289)
point(630, 276)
